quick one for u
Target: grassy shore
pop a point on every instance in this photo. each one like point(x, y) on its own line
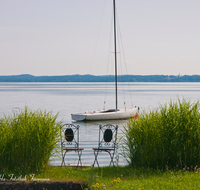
point(125, 177)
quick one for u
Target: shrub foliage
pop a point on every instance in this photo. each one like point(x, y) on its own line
point(167, 137)
point(27, 140)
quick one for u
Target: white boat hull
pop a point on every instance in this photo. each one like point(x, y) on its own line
point(106, 114)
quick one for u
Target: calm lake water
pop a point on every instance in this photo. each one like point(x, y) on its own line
point(67, 98)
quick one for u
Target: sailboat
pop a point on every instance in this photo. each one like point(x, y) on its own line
point(110, 114)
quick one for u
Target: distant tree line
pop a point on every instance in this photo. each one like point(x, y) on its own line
point(103, 78)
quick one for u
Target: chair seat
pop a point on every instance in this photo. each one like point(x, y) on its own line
point(72, 149)
point(103, 148)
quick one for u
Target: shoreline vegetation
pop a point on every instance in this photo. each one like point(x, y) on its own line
point(161, 147)
point(168, 137)
point(28, 140)
point(102, 78)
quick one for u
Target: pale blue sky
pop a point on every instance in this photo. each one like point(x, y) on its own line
point(64, 37)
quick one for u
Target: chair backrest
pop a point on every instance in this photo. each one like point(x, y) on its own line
point(69, 134)
point(108, 136)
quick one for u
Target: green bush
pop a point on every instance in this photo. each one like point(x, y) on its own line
point(27, 140)
point(167, 137)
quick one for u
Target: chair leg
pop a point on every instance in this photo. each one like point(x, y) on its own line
point(79, 157)
point(63, 158)
point(111, 157)
point(95, 159)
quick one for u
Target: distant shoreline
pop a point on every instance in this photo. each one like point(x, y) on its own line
point(103, 78)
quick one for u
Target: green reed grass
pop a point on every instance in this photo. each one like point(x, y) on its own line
point(167, 137)
point(28, 139)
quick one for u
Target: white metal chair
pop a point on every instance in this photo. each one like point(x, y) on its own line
point(107, 142)
point(70, 141)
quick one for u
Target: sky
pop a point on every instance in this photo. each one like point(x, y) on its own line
point(66, 37)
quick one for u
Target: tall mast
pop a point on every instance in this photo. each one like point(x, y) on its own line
point(115, 46)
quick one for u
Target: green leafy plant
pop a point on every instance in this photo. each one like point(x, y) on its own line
point(28, 139)
point(167, 137)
